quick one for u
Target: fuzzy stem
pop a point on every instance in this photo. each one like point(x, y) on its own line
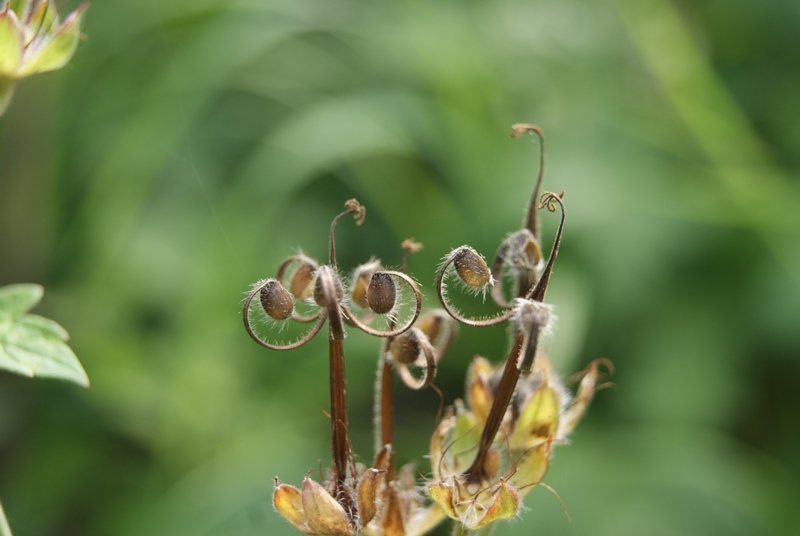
point(505, 391)
point(340, 444)
point(387, 413)
point(532, 217)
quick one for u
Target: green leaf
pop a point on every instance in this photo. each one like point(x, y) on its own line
point(21, 298)
point(31, 345)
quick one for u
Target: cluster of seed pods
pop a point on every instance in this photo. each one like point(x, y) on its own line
point(486, 453)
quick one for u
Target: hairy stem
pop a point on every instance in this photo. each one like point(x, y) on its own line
point(340, 443)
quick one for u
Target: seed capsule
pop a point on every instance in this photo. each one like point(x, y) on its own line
point(381, 293)
point(325, 273)
point(406, 347)
point(361, 279)
point(276, 301)
point(431, 324)
point(471, 268)
point(300, 285)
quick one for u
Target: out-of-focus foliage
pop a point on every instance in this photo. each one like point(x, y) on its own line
point(32, 345)
point(191, 145)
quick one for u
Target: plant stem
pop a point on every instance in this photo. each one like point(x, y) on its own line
point(387, 412)
point(340, 443)
point(508, 383)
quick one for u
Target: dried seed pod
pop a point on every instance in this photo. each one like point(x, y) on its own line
point(361, 279)
point(319, 293)
point(276, 301)
point(431, 324)
point(471, 268)
point(301, 283)
point(381, 293)
point(406, 347)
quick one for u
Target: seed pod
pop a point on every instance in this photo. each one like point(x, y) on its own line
point(431, 324)
point(361, 279)
point(406, 347)
point(524, 251)
point(276, 301)
point(381, 293)
point(471, 268)
point(319, 294)
point(300, 285)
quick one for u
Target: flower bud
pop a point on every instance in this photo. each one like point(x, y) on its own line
point(276, 301)
point(381, 293)
point(471, 268)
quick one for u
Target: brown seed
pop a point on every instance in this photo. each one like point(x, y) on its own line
point(381, 293)
point(276, 301)
point(471, 268)
point(300, 285)
point(405, 348)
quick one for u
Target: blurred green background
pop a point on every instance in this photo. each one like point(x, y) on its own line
point(191, 145)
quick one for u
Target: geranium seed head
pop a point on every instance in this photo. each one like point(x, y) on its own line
point(471, 268)
point(381, 293)
point(303, 277)
point(319, 293)
point(406, 347)
point(276, 301)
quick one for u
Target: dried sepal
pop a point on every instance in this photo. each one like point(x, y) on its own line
point(368, 487)
point(504, 505)
point(583, 397)
point(323, 514)
point(288, 502)
point(539, 420)
point(531, 467)
point(479, 393)
point(394, 517)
